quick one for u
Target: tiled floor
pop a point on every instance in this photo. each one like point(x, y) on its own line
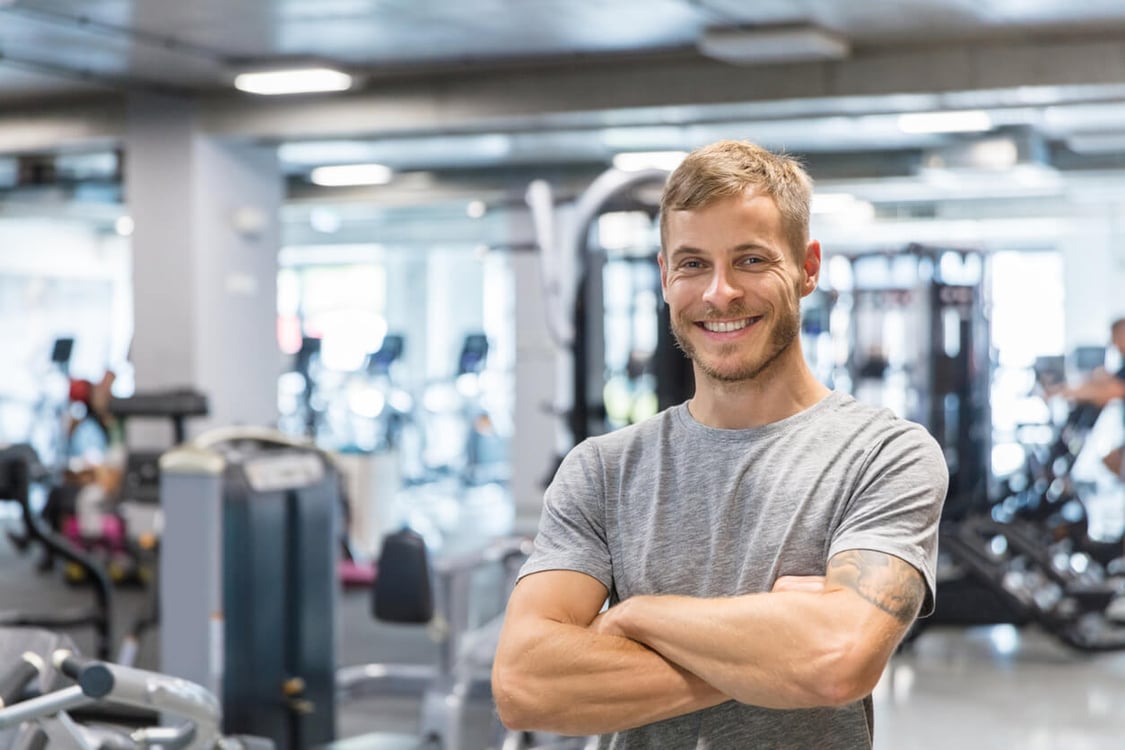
point(989, 688)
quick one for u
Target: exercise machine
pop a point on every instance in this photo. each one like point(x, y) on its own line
point(247, 594)
point(51, 697)
point(616, 359)
point(249, 600)
point(19, 469)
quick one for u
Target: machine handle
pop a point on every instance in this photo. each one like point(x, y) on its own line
point(14, 682)
point(94, 677)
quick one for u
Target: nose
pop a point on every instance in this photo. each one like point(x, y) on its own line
point(721, 290)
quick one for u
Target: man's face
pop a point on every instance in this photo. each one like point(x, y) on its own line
point(733, 286)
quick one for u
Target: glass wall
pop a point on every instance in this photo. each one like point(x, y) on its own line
point(60, 280)
point(403, 354)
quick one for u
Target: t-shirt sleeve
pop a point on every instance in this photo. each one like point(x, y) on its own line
point(896, 506)
point(571, 532)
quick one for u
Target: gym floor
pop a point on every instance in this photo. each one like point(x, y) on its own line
point(971, 688)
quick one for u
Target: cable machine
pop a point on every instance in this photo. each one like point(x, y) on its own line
point(617, 361)
point(913, 331)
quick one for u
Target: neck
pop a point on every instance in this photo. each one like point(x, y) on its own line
point(785, 388)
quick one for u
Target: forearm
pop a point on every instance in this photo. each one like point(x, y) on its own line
point(778, 650)
point(809, 642)
point(1097, 390)
point(571, 680)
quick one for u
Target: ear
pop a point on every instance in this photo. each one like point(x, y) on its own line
point(663, 273)
point(811, 268)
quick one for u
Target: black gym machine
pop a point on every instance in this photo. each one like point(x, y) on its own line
point(19, 470)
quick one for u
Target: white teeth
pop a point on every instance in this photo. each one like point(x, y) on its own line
point(725, 327)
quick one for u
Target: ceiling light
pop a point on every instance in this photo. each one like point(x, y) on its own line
point(293, 81)
point(342, 175)
point(636, 161)
point(772, 44)
point(957, 121)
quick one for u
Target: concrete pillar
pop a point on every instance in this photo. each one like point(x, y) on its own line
point(204, 263)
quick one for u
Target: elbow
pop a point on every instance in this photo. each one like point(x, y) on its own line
point(513, 698)
point(846, 676)
point(845, 689)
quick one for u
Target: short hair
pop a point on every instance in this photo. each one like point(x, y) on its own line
point(725, 169)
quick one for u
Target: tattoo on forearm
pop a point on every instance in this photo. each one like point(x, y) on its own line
point(889, 583)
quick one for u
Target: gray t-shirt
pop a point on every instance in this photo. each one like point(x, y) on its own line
point(670, 506)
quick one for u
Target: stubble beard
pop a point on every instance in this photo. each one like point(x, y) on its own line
point(786, 330)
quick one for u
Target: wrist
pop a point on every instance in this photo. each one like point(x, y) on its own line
point(629, 616)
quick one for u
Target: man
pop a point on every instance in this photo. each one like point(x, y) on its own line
point(1099, 389)
point(1102, 386)
point(763, 547)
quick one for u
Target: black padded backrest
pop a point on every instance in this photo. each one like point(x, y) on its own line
point(403, 590)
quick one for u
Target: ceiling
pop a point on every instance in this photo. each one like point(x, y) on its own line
point(551, 84)
point(62, 47)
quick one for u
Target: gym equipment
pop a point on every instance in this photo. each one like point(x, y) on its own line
point(617, 361)
point(19, 467)
point(385, 426)
point(48, 431)
point(404, 592)
point(1026, 557)
point(50, 716)
point(463, 670)
point(247, 594)
point(1064, 594)
point(916, 328)
point(123, 525)
point(251, 523)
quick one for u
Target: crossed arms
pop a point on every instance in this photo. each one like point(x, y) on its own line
point(811, 641)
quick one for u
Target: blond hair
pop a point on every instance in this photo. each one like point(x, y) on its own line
point(727, 168)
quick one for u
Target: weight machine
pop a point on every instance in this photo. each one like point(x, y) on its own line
point(616, 360)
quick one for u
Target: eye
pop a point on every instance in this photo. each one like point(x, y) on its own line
point(691, 264)
point(750, 260)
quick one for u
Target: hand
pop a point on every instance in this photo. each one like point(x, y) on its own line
point(809, 584)
point(610, 622)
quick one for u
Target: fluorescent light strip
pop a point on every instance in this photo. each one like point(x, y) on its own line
point(295, 81)
point(958, 121)
point(343, 175)
point(772, 44)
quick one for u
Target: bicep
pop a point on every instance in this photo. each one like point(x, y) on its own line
point(564, 596)
point(882, 583)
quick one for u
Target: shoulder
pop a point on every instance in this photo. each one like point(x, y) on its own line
point(645, 432)
point(633, 445)
point(883, 430)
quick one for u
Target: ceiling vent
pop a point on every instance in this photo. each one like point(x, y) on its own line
point(764, 45)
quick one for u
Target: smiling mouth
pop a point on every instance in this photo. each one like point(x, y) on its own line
point(726, 326)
